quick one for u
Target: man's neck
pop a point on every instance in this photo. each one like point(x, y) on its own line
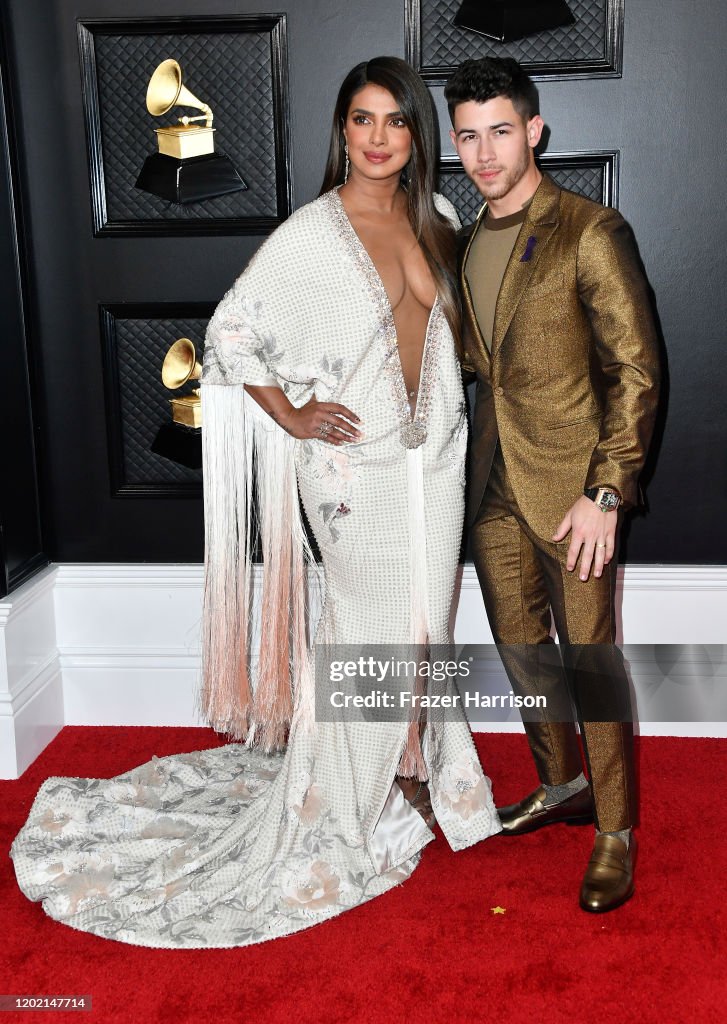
point(518, 196)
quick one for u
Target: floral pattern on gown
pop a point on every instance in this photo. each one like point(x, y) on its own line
point(221, 847)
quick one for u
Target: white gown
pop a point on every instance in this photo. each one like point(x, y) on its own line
point(233, 846)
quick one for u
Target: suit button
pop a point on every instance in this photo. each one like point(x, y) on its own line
point(499, 391)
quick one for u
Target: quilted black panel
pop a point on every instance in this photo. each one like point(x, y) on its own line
point(443, 45)
point(234, 72)
point(588, 181)
point(139, 402)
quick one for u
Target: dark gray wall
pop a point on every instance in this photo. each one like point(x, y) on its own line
point(21, 545)
point(663, 116)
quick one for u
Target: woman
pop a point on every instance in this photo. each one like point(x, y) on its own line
point(330, 360)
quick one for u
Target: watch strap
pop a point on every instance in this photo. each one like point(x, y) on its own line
point(598, 494)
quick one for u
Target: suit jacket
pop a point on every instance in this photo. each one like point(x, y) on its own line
point(571, 384)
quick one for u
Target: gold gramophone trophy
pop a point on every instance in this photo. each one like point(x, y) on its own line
point(186, 168)
point(180, 365)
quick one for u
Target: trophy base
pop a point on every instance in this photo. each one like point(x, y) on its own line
point(187, 410)
point(507, 20)
point(183, 141)
point(179, 444)
point(191, 180)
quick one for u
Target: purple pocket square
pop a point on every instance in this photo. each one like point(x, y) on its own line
point(529, 246)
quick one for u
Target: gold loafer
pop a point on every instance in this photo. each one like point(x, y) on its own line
point(609, 877)
point(531, 813)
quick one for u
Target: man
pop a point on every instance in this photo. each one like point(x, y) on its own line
point(558, 330)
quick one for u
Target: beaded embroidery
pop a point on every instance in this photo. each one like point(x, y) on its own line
point(412, 430)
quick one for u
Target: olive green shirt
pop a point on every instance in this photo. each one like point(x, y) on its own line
point(486, 264)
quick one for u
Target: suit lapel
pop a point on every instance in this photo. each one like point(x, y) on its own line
point(539, 224)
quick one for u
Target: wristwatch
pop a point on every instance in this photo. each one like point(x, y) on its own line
point(607, 498)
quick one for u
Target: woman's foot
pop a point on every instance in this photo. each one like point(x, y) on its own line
point(417, 793)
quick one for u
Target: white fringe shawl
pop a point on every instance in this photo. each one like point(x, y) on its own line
point(253, 687)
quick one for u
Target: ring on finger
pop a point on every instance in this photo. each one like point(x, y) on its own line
point(324, 428)
point(600, 545)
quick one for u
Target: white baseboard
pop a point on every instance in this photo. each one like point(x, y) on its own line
point(129, 643)
point(118, 644)
point(31, 692)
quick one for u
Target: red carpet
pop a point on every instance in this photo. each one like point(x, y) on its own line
point(430, 950)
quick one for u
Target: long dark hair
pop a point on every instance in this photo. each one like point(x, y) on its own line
point(432, 230)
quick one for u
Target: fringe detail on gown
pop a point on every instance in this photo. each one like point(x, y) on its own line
point(252, 699)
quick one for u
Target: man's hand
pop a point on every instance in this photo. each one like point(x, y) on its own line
point(592, 530)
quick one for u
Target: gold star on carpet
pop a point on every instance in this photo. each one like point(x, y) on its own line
point(497, 910)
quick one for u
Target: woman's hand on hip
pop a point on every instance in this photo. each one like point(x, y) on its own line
point(324, 421)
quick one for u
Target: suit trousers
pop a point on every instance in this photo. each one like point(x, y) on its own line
point(523, 579)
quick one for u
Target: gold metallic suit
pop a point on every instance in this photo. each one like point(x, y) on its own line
point(565, 400)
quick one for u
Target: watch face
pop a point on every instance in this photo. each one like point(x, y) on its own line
point(609, 501)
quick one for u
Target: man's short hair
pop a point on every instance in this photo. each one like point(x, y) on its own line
point(485, 79)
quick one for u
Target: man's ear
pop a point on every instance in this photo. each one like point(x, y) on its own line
point(534, 130)
point(453, 137)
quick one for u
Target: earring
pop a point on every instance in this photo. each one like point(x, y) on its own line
point(348, 164)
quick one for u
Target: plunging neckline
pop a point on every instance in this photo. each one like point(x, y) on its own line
point(375, 281)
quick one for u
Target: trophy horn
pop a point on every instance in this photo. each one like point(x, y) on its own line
point(165, 90)
point(180, 364)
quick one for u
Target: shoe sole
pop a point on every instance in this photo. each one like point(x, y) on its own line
point(579, 819)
